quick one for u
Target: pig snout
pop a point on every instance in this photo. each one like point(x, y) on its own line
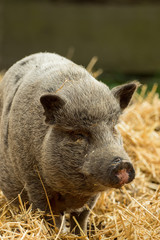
point(120, 173)
point(105, 173)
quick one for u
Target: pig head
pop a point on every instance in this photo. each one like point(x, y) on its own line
point(93, 144)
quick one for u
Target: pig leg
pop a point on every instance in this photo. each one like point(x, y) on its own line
point(58, 220)
point(82, 216)
point(36, 193)
point(38, 199)
point(10, 185)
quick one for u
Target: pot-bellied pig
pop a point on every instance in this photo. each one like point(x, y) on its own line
point(58, 127)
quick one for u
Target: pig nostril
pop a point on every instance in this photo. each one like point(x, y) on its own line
point(117, 160)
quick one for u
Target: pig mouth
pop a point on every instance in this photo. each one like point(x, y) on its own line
point(121, 174)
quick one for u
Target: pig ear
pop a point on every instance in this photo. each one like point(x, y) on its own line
point(51, 104)
point(124, 93)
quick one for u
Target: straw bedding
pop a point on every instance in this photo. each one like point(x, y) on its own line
point(132, 212)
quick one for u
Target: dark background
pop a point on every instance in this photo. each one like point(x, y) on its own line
point(123, 34)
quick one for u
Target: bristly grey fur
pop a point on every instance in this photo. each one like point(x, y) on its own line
point(58, 121)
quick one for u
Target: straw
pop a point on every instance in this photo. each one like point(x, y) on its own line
point(132, 213)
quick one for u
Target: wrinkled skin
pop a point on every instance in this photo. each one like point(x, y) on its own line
point(59, 124)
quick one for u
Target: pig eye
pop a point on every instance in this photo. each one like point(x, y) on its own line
point(78, 135)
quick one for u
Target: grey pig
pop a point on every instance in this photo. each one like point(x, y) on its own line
point(58, 124)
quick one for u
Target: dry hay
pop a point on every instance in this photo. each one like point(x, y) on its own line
point(130, 213)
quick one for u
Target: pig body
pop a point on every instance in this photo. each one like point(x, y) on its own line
point(57, 126)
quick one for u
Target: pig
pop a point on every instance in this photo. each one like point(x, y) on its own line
point(58, 136)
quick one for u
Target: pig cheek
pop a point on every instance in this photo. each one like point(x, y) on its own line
point(77, 149)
